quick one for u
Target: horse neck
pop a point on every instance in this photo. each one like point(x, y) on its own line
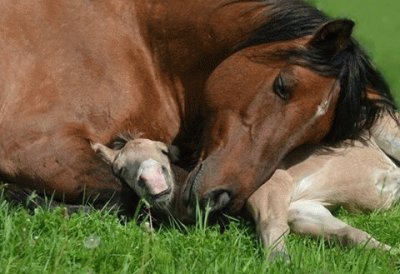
point(186, 34)
point(189, 38)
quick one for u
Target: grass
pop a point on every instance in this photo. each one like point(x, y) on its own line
point(52, 242)
point(48, 241)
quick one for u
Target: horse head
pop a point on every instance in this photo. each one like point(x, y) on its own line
point(144, 165)
point(269, 98)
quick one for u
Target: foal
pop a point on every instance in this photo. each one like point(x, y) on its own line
point(311, 181)
point(357, 175)
point(144, 165)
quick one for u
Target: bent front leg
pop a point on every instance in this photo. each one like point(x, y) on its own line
point(386, 132)
point(269, 208)
point(312, 218)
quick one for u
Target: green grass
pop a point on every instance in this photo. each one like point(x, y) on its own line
point(51, 242)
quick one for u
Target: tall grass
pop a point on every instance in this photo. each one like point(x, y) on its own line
point(47, 241)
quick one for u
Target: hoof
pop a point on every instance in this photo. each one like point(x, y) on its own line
point(395, 251)
point(278, 256)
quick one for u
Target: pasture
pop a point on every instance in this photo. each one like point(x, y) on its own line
point(47, 241)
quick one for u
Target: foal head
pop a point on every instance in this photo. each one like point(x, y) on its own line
point(144, 165)
point(269, 98)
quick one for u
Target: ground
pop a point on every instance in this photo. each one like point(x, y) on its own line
point(48, 241)
point(53, 242)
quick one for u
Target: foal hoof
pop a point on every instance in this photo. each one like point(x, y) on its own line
point(278, 256)
point(394, 251)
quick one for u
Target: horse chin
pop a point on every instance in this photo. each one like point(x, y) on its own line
point(191, 185)
point(163, 201)
point(162, 204)
point(216, 200)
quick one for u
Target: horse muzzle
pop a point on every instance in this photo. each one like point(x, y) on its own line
point(216, 200)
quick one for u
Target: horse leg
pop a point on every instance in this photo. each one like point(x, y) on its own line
point(30, 200)
point(375, 194)
point(269, 208)
point(386, 133)
point(67, 169)
point(390, 183)
point(312, 218)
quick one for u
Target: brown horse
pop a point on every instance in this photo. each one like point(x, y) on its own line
point(74, 71)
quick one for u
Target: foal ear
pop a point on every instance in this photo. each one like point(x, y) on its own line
point(106, 153)
point(173, 153)
point(333, 36)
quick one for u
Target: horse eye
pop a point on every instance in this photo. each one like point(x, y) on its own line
point(280, 90)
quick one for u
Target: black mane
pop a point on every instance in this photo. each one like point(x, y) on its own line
point(291, 19)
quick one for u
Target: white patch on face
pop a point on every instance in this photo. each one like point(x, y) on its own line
point(148, 163)
point(322, 108)
point(150, 172)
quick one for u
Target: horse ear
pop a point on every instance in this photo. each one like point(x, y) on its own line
point(333, 36)
point(106, 153)
point(373, 95)
point(377, 98)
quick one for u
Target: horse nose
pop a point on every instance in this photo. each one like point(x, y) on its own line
point(217, 200)
point(154, 184)
point(152, 179)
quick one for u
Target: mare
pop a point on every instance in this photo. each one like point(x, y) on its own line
point(311, 181)
point(236, 84)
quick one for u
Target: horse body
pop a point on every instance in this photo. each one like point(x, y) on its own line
point(77, 71)
point(64, 82)
point(311, 181)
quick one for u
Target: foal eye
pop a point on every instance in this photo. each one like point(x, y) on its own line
point(165, 152)
point(280, 90)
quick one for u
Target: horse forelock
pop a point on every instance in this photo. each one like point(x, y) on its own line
point(293, 19)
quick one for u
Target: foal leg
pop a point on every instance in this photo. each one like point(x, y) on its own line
point(269, 208)
point(312, 218)
point(391, 186)
point(386, 133)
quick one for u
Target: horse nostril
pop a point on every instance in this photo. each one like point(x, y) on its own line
point(141, 182)
point(218, 200)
